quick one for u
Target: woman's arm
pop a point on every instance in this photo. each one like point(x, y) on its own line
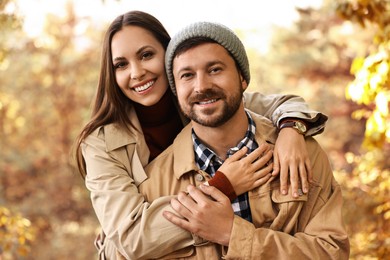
point(131, 224)
point(128, 221)
point(290, 155)
point(278, 107)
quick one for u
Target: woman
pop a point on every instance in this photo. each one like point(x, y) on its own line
point(135, 117)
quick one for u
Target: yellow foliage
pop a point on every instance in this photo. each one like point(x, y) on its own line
point(371, 88)
point(367, 200)
point(16, 233)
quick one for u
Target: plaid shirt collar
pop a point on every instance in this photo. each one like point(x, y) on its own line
point(204, 156)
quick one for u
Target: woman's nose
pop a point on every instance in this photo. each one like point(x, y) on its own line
point(137, 71)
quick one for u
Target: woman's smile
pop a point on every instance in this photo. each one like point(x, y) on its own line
point(144, 87)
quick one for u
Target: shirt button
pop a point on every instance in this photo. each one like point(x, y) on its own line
point(199, 177)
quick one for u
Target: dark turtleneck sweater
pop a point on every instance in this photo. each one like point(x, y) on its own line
point(160, 124)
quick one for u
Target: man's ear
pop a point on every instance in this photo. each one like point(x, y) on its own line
point(244, 84)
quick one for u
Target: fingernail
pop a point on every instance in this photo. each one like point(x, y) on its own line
point(305, 190)
point(284, 192)
point(295, 194)
point(202, 186)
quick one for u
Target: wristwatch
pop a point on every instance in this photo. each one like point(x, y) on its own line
point(296, 124)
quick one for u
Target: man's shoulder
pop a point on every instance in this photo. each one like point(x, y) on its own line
point(264, 128)
point(321, 166)
point(178, 156)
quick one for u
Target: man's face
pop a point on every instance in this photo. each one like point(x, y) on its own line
point(209, 86)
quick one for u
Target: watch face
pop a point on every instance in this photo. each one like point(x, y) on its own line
point(301, 127)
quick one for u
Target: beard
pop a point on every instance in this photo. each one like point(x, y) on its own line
point(209, 117)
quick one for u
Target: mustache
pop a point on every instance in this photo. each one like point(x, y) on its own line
point(207, 94)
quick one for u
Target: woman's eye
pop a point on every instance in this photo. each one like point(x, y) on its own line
point(120, 65)
point(147, 55)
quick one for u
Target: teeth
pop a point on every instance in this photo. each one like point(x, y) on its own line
point(207, 102)
point(144, 87)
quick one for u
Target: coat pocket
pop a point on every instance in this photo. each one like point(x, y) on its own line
point(288, 210)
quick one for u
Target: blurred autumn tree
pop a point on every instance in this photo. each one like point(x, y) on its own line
point(16, 233)
point(46, 85)
point(341, 53)
point(370, 89)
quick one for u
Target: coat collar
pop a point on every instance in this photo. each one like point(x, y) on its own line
point(183, 148)
point(183, 151)
point(117, 137)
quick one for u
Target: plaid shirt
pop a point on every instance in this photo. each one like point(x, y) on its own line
point(209, 162)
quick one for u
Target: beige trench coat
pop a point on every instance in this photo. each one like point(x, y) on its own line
point(115, 163)
point(308, 227)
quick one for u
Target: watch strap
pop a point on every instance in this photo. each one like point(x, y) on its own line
point(293, 124)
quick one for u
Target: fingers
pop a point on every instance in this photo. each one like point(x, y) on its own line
point(258, 152)
point(262, 161)
point(304, 177)
point(262, 176)
point(183, 204)
point(283, 178)
point(294, 180)
point(309, 170)
point(173, 218)
point(213, 192)
point(238, 155)
point(259, 158)
point(276, 168)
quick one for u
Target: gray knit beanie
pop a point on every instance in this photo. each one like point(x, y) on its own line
point(217, 32)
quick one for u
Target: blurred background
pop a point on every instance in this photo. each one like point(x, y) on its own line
point(335, 54)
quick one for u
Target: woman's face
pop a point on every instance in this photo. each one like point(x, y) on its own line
point(138, 59)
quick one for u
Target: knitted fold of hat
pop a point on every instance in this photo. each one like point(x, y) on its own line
point(215, 31)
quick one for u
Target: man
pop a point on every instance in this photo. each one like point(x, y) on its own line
point(208, 70)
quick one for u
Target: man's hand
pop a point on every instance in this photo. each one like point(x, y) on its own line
point(206, 212)
point(291, 159)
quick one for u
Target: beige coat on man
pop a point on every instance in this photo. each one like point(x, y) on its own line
point(307, 227)
point(115, 161)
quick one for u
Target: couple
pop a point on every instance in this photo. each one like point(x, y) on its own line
point(223, 154)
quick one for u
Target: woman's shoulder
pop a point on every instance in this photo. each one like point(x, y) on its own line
point(114, 136)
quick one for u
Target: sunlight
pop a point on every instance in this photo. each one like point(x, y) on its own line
point(256, 22)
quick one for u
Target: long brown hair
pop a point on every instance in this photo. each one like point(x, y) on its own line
point(110, 104)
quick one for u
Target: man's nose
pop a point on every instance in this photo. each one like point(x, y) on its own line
point(202, 83)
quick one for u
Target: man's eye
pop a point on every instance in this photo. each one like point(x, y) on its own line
point(215, 69)
point(186, 75)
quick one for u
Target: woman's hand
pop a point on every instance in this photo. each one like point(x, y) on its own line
point(291, 159)
point(246, 172)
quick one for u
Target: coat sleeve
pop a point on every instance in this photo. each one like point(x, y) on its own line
point(277, 107)
point(133, 225)
point(319, 229)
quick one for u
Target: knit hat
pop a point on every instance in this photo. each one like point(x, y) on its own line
point(217, 32)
